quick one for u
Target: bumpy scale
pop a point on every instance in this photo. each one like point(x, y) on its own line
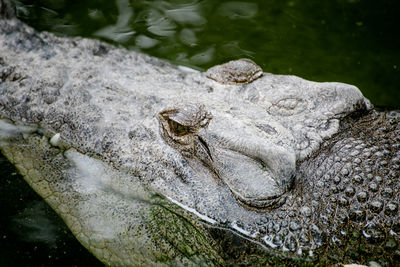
point(235, 72)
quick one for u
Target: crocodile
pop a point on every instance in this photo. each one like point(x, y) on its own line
point(154, 164)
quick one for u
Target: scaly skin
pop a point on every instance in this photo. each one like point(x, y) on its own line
point(121, 187)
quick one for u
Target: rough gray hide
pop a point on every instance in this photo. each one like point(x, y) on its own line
point(290, 164)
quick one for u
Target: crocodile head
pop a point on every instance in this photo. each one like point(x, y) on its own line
point(256, 171)
point(251, 141)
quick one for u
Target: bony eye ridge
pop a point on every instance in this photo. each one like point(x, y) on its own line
point(180, 125)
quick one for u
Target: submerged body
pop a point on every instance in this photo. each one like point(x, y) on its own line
point(119, 144)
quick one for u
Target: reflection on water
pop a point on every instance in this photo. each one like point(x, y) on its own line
point(238, 10)
point(120, 31)
point(350, 41)
point(33, 225)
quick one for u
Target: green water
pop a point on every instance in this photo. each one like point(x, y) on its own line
point(351, 41)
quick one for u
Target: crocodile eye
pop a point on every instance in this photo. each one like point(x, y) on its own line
point(177, 128)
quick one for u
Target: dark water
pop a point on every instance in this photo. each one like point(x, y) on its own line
point(352, 41)
point(31, 233)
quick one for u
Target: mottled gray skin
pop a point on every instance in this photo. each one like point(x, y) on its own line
point(289, 164)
